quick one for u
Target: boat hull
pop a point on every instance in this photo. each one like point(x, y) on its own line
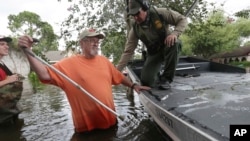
point(176, 128)
point(205, 99)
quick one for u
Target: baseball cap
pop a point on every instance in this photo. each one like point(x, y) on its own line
point(6, 39)
point(90, 33)
point(133, 7)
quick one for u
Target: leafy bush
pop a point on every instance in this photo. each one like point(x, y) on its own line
point(243, 64)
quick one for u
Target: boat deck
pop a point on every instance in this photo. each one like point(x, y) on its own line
point(202, 103)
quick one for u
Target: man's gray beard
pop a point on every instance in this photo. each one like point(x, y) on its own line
point(94, 52)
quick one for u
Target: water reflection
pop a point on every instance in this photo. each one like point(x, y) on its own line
point(47, 116)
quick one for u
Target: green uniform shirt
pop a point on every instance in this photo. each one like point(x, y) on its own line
point(170, 17)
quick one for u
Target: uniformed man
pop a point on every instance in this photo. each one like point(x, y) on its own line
point(151, 26)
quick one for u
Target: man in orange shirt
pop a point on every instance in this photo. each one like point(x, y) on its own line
point(95, 73)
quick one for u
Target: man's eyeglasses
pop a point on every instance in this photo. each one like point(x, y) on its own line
point(93, 41)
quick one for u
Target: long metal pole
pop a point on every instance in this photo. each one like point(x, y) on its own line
point(72, 82)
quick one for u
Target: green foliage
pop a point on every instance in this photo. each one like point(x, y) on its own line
point(243, 64)
point(242, 26)
point(247, 43)
point(243, 13)
point(33, 78)
point(30, 23)
point(214, 34)
point(114, 42)
point(13, 44)
point(186, 45)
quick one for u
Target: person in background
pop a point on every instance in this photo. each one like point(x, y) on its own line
point(95, 73)
point(11, 86)
point(6, 76)
point(151, 26)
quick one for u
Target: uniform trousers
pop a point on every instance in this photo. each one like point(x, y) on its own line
point(160, 66)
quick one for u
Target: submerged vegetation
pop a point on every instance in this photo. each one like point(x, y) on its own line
point(36, 84)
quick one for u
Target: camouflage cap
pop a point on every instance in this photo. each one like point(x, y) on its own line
point(133, 7)
point(90, 33)
point(6, 39)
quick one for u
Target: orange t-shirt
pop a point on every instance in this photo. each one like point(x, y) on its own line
point(96, 76)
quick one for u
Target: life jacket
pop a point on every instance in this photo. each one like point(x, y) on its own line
point(153, 35)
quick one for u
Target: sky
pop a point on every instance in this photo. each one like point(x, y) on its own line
point(51, 11)
point(232, 6)
point(55, 12)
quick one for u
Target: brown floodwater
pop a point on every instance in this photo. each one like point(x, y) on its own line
point(46, 116)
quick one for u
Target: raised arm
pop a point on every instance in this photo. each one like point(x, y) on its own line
point(128, 52)
point(25, 42)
